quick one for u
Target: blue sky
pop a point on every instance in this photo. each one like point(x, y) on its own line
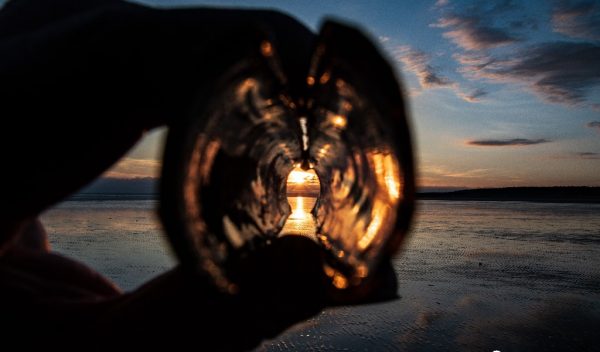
point(501, 93)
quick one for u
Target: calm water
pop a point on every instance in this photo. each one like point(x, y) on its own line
point(120, 239)
point(480, 276)
point(301, 221)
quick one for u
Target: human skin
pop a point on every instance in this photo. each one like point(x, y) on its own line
point(80, 84)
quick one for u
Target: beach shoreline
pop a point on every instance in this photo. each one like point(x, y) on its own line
point(574, 195)
point(474, 276)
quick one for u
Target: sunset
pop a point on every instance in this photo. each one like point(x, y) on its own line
point(263, 175)
point(501, 93)
point(302, 178)
point(302, 194)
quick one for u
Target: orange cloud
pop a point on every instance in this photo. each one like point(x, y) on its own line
point(134, 168)
point(443, 176)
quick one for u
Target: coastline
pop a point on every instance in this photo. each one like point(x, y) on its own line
point(475, 276)
point(86, 197)
point(579, 195)
point(588, 195)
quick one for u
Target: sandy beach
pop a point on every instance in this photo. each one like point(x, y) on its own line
point(475, 276)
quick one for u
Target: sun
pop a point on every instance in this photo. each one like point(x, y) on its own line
point(300, 176)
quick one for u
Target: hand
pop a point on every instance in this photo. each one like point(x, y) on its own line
point(81, 82)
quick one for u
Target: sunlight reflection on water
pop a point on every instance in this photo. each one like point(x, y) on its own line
point(301, 221)
point(473, 276)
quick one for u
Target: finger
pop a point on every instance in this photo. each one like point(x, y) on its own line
point(79, 88)
point(381, 285)
point(282, 283)
point(279, 285)
point(34, 237)
point(49, 276)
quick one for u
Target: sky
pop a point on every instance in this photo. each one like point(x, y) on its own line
point(500, 93)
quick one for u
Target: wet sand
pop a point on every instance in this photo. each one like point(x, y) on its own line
point(479, 276)
point(475, 276)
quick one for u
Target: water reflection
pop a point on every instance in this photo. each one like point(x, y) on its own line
point(226, 186)
point(302, 194)
point(301, 221)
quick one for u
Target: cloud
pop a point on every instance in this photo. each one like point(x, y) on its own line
point(525, 23)
point(558, 72)
point(498, 6)
point(576, 155)
point(441, 3)
point(418, 63)
point(473, 96)
point(594, 124)
point(472, 64)
point(470, 32)
point(442, 171)
point(475, 173)
point(588, 155)
point(442, 176)
point(577, 19)
point(134, 168)
point(505, 142)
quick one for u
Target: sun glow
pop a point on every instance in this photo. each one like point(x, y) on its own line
point(298, 212)
point(302, 192)
point(300, 176)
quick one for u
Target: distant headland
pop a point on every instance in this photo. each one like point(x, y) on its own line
point(147, 189)
point(527, 194)
point(106, 188)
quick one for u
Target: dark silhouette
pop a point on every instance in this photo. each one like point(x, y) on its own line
point(80, 81)
point(528, 194)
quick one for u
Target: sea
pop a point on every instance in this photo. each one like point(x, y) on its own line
point(473, 275)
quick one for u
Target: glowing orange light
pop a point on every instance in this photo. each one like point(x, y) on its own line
point(362, 271)
point(379, 214)
point(346, 106)
point(340, 281)
point(339, 121)
point(302, 191)
point(298, 212)
point(325, 77)
point(300, 176)
point(266, 48)
point(387, 173)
